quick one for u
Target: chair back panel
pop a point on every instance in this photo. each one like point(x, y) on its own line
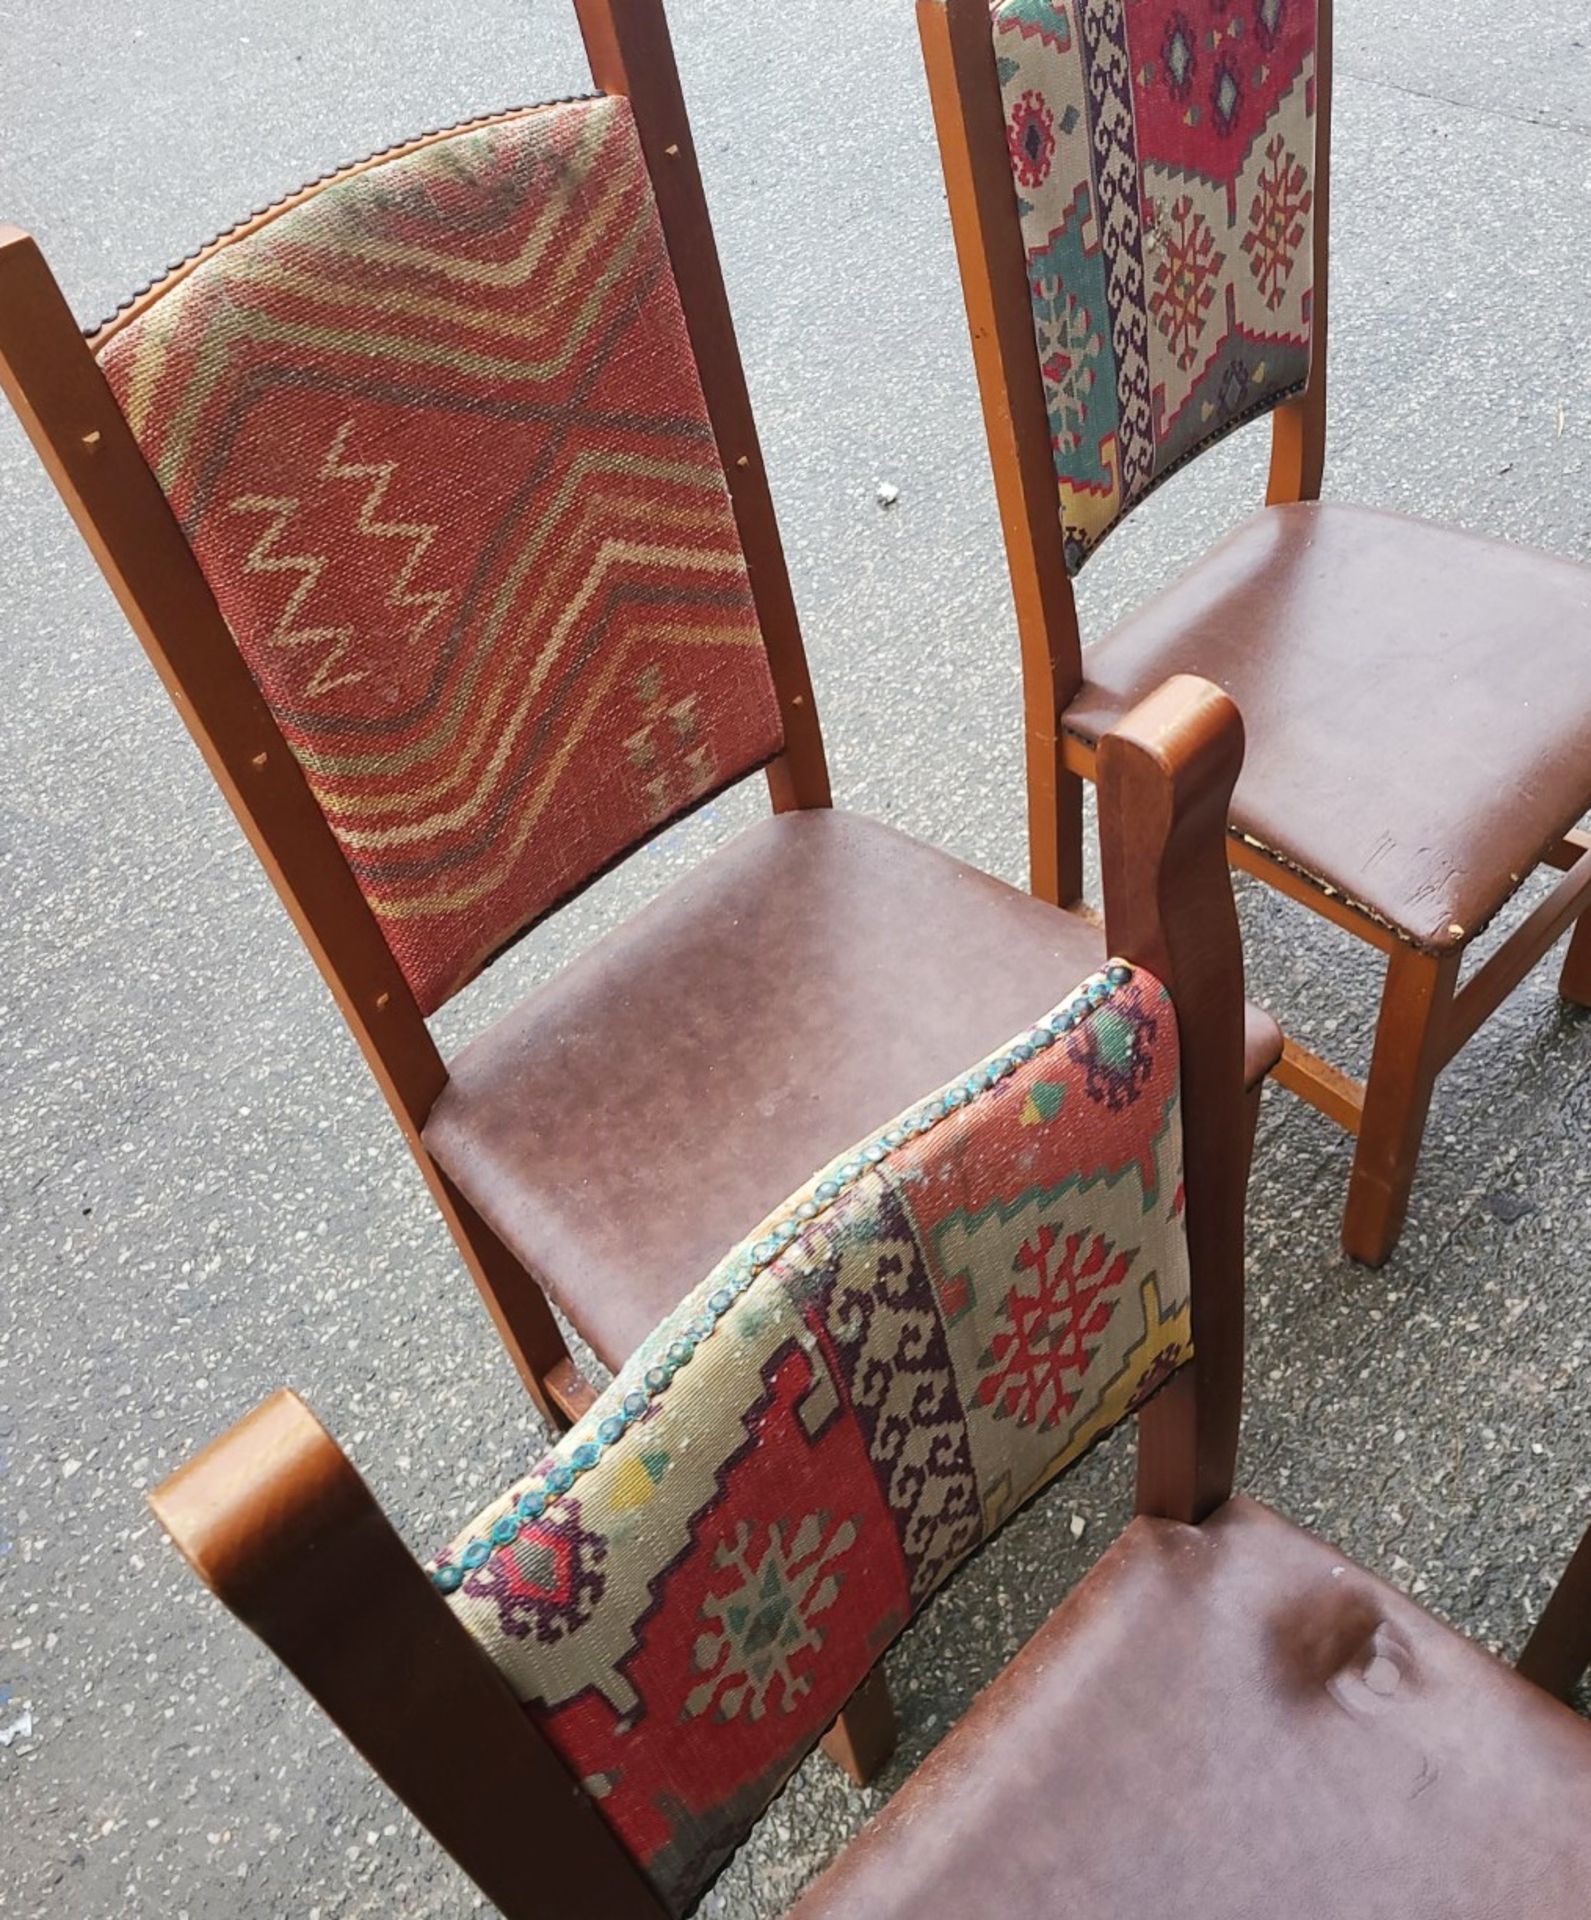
point(688, 1590)
point(1163, 156)
point(437, 439)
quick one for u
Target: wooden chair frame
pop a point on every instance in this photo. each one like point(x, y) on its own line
point(1557, 1655)
point(274, 1519)
point(1425, 1015)
point(54, 381)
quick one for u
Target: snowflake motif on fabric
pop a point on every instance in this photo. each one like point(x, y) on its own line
point(1117, 1054)
point(1069, 349)
point(1054, 1332)
point(1031, 135)
point(1276, 221)
point(762, 1625)
point(1178, 57)
point(1186, 277)
point(549, 1582)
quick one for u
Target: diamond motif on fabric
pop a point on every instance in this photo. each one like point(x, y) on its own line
point(1226, 96)
point(1070, 347)
point(549, 1582)
point(1031, 135)
point(1180, 59)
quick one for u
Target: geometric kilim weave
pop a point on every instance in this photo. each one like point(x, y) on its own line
point(1163, 159)
point(685, 1593)
point(437, 439)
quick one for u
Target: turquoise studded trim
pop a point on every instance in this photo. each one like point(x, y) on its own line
point(637, 1402)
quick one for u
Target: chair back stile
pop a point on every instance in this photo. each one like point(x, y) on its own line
point(629, 51)
point(1298, 426)
point(1166, 776)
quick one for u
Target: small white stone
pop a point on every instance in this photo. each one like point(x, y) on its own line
point(1079, 1526)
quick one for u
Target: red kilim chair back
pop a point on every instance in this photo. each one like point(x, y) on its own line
point(435, 434)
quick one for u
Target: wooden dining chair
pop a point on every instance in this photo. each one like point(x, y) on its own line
point(433, 493)
point(1138, 191)
point(674, 1604)
point(592, 1694)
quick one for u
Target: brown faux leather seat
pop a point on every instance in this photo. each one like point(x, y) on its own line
point(1233, 1722)
point(1417, 703)
point(641, 1112)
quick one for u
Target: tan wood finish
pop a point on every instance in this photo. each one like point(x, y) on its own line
point(965, 90)
point(1337, 1094)
point(1416, 1007)
point(861, 1741)
point(1165, 786)
point(970, 122)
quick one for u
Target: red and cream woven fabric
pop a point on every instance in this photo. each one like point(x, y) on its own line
point(436, 436)
point(688, 1590)
point(1163, 155)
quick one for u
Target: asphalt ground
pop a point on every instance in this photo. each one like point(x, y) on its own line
point(201, 1195)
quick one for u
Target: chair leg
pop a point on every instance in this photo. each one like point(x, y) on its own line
point(1574, 982)
point(1408, 1056)
point(525, 1322)
point(1055, 828)
point(1251, 1123)
point(1558, 1654)
point(864, 1736)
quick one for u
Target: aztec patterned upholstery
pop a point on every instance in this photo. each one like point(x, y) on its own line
point(1163, 154)
point(436, 436)
point(688, 1590)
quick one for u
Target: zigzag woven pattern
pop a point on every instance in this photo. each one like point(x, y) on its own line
point(1163, 159)
point(437, 439)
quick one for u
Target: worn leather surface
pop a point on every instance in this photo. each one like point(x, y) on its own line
point(1417, 702)
point(638, 1115)
point(1233, 1722)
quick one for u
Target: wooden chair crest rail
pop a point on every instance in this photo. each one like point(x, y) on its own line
point(1226, 1718)
point(1140, 206)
